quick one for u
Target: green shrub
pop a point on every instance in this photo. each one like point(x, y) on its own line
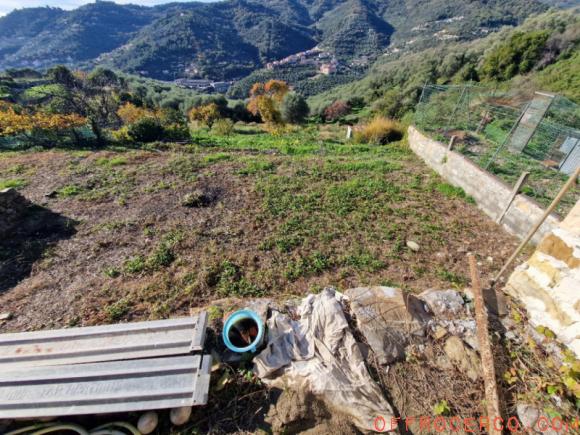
point(145, 130)
point(294, 108)
point(516, 56)
point(223, 127)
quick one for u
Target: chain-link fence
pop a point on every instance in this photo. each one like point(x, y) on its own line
point(508, 133)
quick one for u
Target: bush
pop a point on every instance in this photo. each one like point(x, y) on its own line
point(294, 108)
point(121, 135)
point(145, 130)
point(337, 110)
point(223, 127)
point(380, 131)
point(516, 56)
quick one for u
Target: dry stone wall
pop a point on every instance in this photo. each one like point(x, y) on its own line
point(548, 284)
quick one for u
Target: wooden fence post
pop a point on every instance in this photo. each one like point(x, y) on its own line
point(515, 191)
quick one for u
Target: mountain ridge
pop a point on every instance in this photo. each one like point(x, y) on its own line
point(232, 38)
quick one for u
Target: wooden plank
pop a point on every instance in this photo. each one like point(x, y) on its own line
point(104, 387)
point(103, 343)
point(488, 367)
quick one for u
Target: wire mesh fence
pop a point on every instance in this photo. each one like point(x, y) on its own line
point(508, 133)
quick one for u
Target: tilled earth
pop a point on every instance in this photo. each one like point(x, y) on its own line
point(134, 235)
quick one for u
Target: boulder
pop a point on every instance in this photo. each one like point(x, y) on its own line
point(388, 318)
point(462, 357)
point(528, 415)
point(446, 304)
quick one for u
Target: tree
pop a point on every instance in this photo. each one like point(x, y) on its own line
point(266, 107)
point(13, 122)
point(207, 114)
point(145, 130)
point(336, 110)
point(129, 113)
point(92, 96)
point(516, 56)
point(265, 99)
point(294, 108)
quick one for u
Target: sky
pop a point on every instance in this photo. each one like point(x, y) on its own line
point(8, 5)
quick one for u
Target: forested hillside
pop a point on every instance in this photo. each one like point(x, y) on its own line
point(231, 38)
point(540, 54)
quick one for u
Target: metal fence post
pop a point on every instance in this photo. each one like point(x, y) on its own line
point(455, 109)
point(515, 191)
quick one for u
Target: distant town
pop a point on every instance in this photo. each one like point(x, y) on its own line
point(324, 61)
point(204, 85)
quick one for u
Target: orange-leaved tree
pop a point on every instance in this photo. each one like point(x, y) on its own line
point(208, 114)
point(13, 122)
point(130, 113)
point(265, 99)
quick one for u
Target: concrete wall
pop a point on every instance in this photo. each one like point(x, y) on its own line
point(491, 194)
point(548, 284)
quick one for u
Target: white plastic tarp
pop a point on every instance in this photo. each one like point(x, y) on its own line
point(318, 353)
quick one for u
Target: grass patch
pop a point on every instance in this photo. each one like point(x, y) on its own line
point(307, 265)
point(215, 158)
point(256, 167)
point(454, 192)
point(363, 260)
point(229, 280)
point(451, 277)
point(117, 310)
point(70, 190)
point(111, 162)
point(134, 265)
point(162, 256)
point(15, 183)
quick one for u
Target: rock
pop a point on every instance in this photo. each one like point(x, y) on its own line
point(439, 332)
point(387, 318)
point(465, 359)
point(511, 336)
point(413, 246)
point(5, 316)
point(444, 303)
point(527, 414)
point(147, 422)
point(180, 416)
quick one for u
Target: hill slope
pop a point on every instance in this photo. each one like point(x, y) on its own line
point(234, 37)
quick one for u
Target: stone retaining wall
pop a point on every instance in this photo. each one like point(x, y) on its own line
point(548, 284)
point(491, 194)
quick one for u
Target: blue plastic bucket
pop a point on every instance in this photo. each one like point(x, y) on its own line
point(238, 333)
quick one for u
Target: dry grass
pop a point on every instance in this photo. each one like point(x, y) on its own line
point(380, 131)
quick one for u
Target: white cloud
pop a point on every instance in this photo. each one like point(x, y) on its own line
point(9, 5)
